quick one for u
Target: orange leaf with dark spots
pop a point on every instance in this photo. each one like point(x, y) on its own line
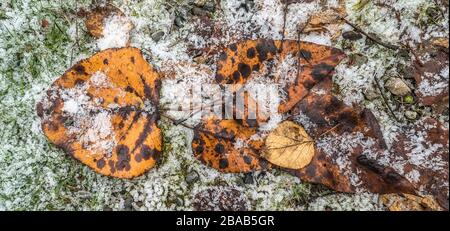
point(104, 111)
point(227, 146)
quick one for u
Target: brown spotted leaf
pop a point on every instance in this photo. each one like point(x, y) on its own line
point(227, 146)
point(103, 112)
point(346, 141)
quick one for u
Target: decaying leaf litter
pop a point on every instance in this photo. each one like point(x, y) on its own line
point(269, 33)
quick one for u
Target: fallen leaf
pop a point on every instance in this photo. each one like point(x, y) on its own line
point(228, 146)
point(327, 21)
point(421, 151)
point(442, 42)
point(408, 202)
point(289, 146)
point(104, 111)
point(431, 76)
point(323, 18)
point(343, 136)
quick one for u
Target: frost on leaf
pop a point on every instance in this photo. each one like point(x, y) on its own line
point(214, 144)
point(432, 75)
point(346, 138)
point(421, 152)
point(289, 146)
point(103, 112)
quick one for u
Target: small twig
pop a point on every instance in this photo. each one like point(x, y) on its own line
point(439, 7)
point(175, 120)
point(285, 10)
point(300, 32)
point(330, 130)
point(7, 29)
point(198, 129)
point(195, 112)
point(389, 46)
point(76, 27)
point(385, 98)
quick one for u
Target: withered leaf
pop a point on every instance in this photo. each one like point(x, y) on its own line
point(340, 162)
point(104, 111)
point(431, 76)
point(289, 146)
point(422, 152)
point(442, 42)
point(408, 202)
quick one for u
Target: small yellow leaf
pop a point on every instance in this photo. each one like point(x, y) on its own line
point(289, 146)
point(442, 42)
point(408, 202)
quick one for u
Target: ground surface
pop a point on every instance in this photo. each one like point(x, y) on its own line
point(39, 40)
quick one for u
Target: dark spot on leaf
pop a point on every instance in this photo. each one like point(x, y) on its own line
point(252, 122)
point(233, 47)
point(223, 57)
point(305, 54)
point(244, 69)
point(236, 76)
point(112, 166)
point(308, 84)
point(219, 148)
point(393, 177)
point(101, 163)
point(247, 159)
point(148, 152)
point(105, 61)
point(223, 163)
point(256, 67)
point(321, 71)
point(351, 35)
point(199, 149)
point(123, 157)
point(311, 170)
point(264, 48)
point(79, 69)
point(251, 53)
